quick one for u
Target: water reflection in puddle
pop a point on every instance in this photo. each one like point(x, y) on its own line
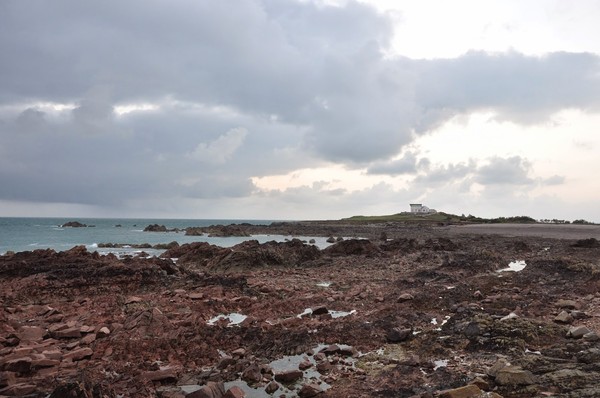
point(515, 266)
point(234, 319)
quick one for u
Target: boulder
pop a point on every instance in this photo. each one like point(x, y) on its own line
point(470, 391)
point(564, 317)
point(288, 376)
point(309, 390)
point(162, 375)
point(235, 392)
point(79, 354)
point(577, 332)
point(514, 376)
point(397, 335)
point(271, 387)
point(212, 389)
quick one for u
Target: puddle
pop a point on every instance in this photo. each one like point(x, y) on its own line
point(341, 314)
point(515, 266)
point(234, 319)
point(324, 284)
point(434, 321)
point(441, 363)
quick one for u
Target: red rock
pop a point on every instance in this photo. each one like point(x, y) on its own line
point(79, 354)
point(196, 296)
point(68, 333)
point(7, 378)
point(18, 390)
point(210, 390)
point(288, 376)
point(133, 299)
point(87, 329)
point(44, 363)
point(309, 390)
point(164, 375)
point(235, 392)
point(305, 364)
point(31, 334)
point(271, 387)
point(90, 338)
point(470, 391)
point(18, 365)
point(103, 332)
point(252, 374)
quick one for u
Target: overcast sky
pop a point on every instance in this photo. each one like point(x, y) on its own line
point(284, 109)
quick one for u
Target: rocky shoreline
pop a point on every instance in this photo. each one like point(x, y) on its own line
point(405, 311)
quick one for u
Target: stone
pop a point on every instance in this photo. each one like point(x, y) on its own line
point(69, 333)
point(309, 390)
point(79, 354)
point(564, 317)
point(133, 299)
point(271, 387)
point(162, 375)
point(405, 297)
point(470, 391)
point(7, 378)
point(52, 354)
point(31, 334)
point(235, 392)
point(86, 329)
point(514, 376)
point(397, 335)
point(18, 390)
point(44, 363)
point(591, 337)
point(103, 332)
point(89, 339)
point(212, 389)
point(481, 383)
point(496, 367)
point(305, 364)
point(320, 311)
point(568, 304)
point(252, 374)
point(577, 332)
point(288, 376)
point(18, 365)
point(196, 296)
point(225, 361)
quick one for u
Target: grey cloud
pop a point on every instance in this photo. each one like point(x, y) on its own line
point(309, 83)
point(505, 171)
point(407, 164)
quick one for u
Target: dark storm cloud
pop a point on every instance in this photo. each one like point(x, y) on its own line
point(308, 84)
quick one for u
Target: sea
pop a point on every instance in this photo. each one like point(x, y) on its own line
point(26, 234)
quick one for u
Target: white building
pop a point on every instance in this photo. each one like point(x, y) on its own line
point(418, 208)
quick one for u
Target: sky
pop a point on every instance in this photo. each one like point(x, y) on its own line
point(299, 109)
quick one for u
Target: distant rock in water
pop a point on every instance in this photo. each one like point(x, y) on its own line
point(155, 228)
point(74, 224)
point(159, 228)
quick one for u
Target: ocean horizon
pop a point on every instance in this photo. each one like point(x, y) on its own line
point(31, 233)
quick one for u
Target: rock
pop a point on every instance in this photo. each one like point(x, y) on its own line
point(470, 391)
point(514, 376)
point(405, 297)
point(235, 392)
point(587, 243)
point(18, 365)
point(305, 364)
point(212, 389)
point(73, 224)
point(331, 239)
point(481, 383)
point(320, 311)
point(31, 334)
point(496, 367)
point(225, 361)
point(252, 374)
point(103, 332)
point(271, 387)
point(288, 376)
point(18, 390)
point(309, 390)
point(591, 337)
point(155, 228)
point(7, 378)
point(477, 294)
point(568, 304)
point(69, 333)
point(88, 339)
point(196, 296)
point(589, 356)
point(397, 335)
point(79, 354)
point(577, 332)
point(564, 317)
point(133, 299)
point(163, 375)
point(353, 247)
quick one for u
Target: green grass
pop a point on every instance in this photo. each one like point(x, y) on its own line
point(440, 217)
